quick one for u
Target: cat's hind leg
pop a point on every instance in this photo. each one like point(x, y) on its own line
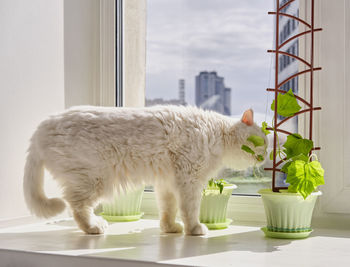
point(88, 221)
point(167, 211)
point(83, 197)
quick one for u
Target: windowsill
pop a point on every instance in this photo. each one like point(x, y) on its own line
point(142, 244)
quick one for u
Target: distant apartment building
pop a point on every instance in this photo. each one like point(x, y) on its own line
point(289, 27)
point(211, 93)
point(178, 102)
point(182, 92)
point(288, 66)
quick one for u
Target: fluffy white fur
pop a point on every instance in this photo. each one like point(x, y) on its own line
point(94, 151)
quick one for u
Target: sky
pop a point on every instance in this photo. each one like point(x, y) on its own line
point(230, 37)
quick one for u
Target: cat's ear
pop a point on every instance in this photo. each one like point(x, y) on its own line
point(248, 117)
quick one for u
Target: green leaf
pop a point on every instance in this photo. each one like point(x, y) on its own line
point(287, 104)
point(263, 128)
point(296, 145)
point(216, 184)
point(247, 149)
point(256, 140)
point(260, 157)
point(304, 188)
point(286, 166)
point(221, 187)
point(315, 170)
point(299, 157)
point(304, 177)
point(220, 181)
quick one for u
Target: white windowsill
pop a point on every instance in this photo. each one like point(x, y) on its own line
point(61, 243)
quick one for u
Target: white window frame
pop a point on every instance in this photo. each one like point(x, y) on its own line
point(105, 95)
point(134, 52)
point(89, 52)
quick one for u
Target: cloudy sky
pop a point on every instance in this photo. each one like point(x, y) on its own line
point(231, 37)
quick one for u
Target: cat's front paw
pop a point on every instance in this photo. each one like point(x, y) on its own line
point(171, 227)
point(199, 229)
point(98, 226)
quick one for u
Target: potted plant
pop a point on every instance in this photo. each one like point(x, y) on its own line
point(214, 204)
point(289, 211)
point(124, 207)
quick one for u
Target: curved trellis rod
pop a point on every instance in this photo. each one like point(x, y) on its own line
point(286, 4)
point(291, 55)
point(281, 161)
point(296, 36)
point(280, 130)
point(297, 74)
point(292, 17)
point(296, 96)
point(296, 114)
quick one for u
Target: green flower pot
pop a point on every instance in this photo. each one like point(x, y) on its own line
point(288, 214)
point(125, 207)
point(214, 207)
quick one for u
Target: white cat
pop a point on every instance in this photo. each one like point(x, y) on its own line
point(94, 151)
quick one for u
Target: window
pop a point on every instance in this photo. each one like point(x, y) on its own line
point(281, 37)
point(293, 51)
point(280, 64)
point(219, 51)
point(288, 27)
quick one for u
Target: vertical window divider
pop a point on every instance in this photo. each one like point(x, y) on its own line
point(119, 59)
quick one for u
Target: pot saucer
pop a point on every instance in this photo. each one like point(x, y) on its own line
point(217, 226)
point(128, 218)
point(286, 235)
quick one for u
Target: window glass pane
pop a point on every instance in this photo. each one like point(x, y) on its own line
point(212, 54)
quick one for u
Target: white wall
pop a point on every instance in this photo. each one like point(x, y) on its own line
point(31, 86)
point(50, 59)
point(82, 48)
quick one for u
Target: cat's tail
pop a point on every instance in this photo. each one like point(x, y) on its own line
point(33, 188)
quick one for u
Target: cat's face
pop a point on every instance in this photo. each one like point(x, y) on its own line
point(241, 131)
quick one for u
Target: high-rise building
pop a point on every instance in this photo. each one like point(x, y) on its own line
point(182, 91)
point(288, 66)
point(212, 94)
point(289, 27)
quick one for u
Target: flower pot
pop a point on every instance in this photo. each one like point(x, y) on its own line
point(288, 215)
point(214, 207)
point(124, 207)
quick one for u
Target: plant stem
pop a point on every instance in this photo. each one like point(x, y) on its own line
point(278, 144)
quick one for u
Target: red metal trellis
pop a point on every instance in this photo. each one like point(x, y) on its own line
point(310, 108)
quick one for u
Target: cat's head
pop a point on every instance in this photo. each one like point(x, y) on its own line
point(240, 135)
